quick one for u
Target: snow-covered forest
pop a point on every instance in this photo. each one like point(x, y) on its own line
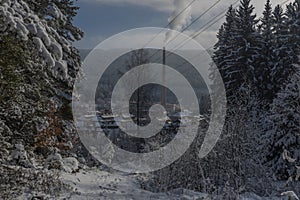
point(257, 156)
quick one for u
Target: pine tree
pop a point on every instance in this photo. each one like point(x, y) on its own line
point(224, 56)
point(41, 37)
point(293, 27)
point(237, 54)
point(247, 42)
point(38, 66)
point(283, 56)
point(265, 81)
point(59, 15)
point(282, 129)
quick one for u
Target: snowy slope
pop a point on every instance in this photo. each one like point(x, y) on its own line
point(96, 184)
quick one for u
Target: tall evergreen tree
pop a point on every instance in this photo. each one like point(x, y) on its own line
point(259, 59)
point(282, 129)
point(247, 44)
point(48, 74)
point(283, 56)
point(57, 16)
point(293, 27)
point(224, 56)
point(238, 50)
point(265, 81)
point(281, 123)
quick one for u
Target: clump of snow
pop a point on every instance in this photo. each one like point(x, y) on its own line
point(41, 33)
point(23, 29)
point(53, 11)
point(31, 28)
point(71, 164)
point(61, 69)
point(38, 43)
point(56, 50)
point(69, 145)
point(291, 195)
point(54, 161)
point(47, 56)
point(287, 157)
point(19, 156)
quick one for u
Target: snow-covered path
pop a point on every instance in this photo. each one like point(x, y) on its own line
point(96, 184)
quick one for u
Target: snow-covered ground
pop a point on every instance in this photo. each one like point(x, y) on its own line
point(96, 184)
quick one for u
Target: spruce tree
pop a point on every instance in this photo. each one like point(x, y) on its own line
point(293, 27)
point(283, 56)
point(42, 30)
point(282, 130)
point(225, 54)
point(247, 43)
point(59, 15)
point(265, 81)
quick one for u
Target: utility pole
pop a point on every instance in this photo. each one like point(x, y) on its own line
point(163, 92)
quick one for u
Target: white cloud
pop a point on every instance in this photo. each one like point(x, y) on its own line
point(208, 37)
point(160, 5)
point(198, 7)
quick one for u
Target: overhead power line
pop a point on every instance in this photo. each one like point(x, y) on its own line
point(194, 21)
point(183, 10)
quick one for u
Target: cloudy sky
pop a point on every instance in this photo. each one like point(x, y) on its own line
point(100, 19)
